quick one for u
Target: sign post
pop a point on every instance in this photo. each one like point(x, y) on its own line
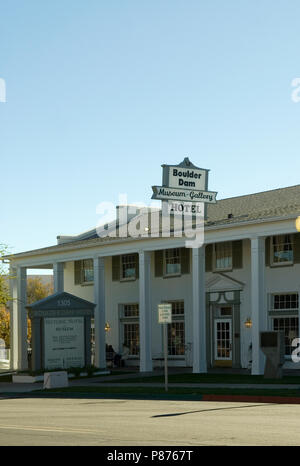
point(165, 318)
point(166, 354)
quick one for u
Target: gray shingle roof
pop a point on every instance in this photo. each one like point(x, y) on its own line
point(282, 202)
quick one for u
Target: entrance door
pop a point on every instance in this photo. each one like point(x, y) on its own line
point(223, 342)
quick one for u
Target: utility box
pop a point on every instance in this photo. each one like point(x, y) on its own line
point(272, 345)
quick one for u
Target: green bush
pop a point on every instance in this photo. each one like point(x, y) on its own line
point(75, 370)
point(90, 370)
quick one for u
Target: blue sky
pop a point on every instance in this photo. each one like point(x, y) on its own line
point(100, 93)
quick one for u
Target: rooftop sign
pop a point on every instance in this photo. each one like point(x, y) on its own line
point(190, 183)
point(183, 195)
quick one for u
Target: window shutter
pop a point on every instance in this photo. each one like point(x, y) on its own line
point(115, 268)
point(237, 254)
point(267, 251)
point(77, 272)
point(208, 257)
point(137, 266)
point(185, 260)
point(159, 263)
point(296, 248)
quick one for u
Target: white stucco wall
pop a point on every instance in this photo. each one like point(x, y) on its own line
point(277, 280)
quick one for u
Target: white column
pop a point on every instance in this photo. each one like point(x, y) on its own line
point(58, 277)
point(199, 311)
point(99, 317)
point(19, 357)
point(145, 312)
point(258, 301)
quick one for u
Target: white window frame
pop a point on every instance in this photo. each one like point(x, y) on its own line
point(166, 274)
point(129, 320)
point(178, 318)
point(221, 321)
point(280, 263)
point(287, 310)
point(127, 279)
point(222, 269)
point(287, 356)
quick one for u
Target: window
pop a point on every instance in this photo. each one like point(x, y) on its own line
point(176, 330)
point(284, 313)
point(83, 272)
point(282, 250)
point(131, 310)
point(128, 267)
point(226, 311)
point(289, 325)
point(285, 302)
point(88, 270)
point(223, 256)
point(131, 328)
point(172, 262)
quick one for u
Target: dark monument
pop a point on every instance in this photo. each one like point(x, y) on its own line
point(272, 345)
point(61, 332)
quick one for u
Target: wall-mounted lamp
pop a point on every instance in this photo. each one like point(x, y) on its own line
point(248, 323)
point(107, 327)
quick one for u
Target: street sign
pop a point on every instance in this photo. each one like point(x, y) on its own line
point(164, 313)
point(165, 317)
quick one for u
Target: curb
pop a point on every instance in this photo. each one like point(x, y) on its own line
point(161, 396)
point(253, 399)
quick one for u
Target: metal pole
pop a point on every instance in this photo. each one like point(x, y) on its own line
point(166, 354)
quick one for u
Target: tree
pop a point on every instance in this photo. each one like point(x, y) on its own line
point(4, 298)
point(4, 288)
point(4, 325)
point(36, 290)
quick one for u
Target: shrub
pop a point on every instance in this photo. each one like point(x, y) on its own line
point(75, 370)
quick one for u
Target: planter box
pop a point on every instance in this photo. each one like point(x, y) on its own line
point(84, 374)
point(27, 378)
point(40, 378)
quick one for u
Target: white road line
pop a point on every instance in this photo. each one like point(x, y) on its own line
point(47, 429)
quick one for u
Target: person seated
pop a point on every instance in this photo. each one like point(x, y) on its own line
point(110, 354)
point(125, 353)
point(117, 360)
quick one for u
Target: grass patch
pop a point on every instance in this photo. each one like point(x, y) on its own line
point(214, 378)
point(180, 392)
point(70, 371)
point(101, 375)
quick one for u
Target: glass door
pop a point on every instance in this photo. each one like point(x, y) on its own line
point(223, 340)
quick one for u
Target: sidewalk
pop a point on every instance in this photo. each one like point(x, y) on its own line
point(111, 381)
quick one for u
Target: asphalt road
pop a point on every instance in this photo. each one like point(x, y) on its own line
point(151, 422)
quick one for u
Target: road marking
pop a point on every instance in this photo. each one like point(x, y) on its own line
point(47, 429)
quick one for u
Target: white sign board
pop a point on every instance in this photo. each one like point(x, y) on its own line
point(166, 193)
point(64, 342)
point(164, 313)
point(187, 178)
